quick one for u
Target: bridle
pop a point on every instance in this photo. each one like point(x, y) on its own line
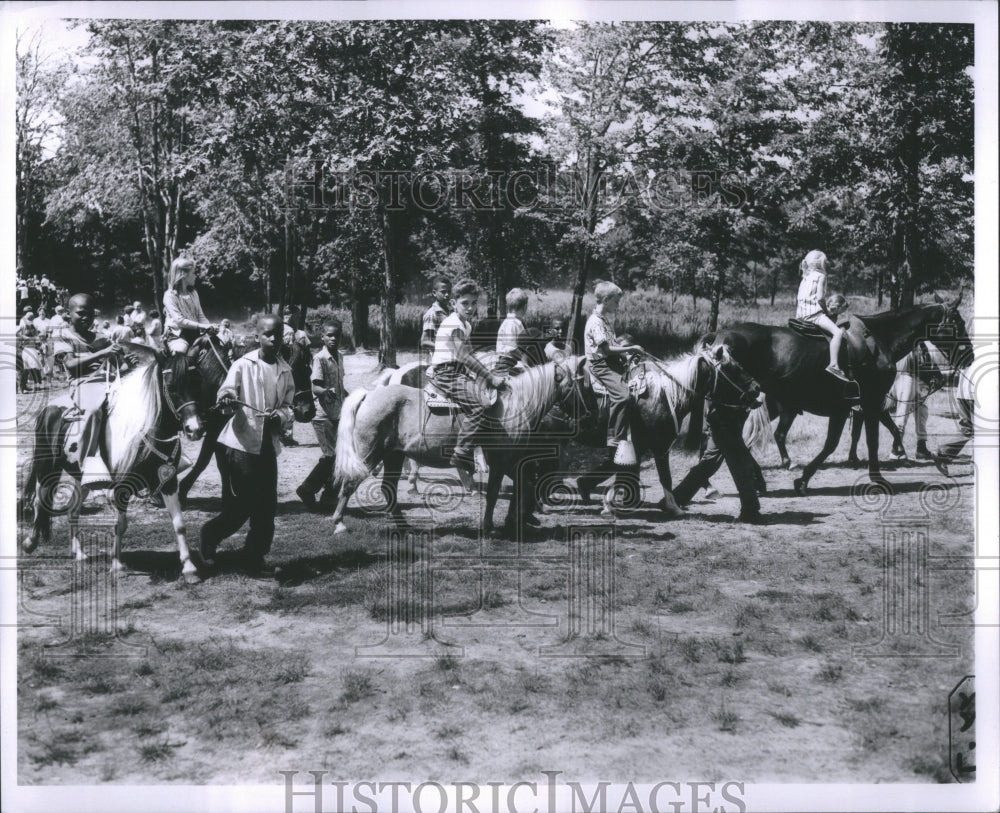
point(744, 394)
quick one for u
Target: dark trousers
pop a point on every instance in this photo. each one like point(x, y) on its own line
point(725, 443)
point(453, 382)
point(249, 491)
point(618, 396)
point(321, 475)
point(955, 443)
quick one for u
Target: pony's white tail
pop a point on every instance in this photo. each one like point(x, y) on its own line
point(350, 467)
point(757, 432)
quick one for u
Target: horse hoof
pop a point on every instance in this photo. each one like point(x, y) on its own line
point(116, 568)
point(800, 486)
point(29, 544)
point(340, 528)
point(881, 482)
point(191, 577)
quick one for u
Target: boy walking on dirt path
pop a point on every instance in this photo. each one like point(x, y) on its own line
point(260, 389)
point(328, 387)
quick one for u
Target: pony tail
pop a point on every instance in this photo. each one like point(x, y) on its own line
point(350, 467)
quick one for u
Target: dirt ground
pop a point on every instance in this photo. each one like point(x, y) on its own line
point(820, 648)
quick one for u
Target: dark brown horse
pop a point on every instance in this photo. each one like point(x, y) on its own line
point(791, 368)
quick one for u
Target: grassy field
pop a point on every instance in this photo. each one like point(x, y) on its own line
point(720, 651)
point(661, 325)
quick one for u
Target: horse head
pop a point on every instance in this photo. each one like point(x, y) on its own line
point(181, 391)
point(575, 396)
point(727, 381)
point(303, 403)
point(949, 333)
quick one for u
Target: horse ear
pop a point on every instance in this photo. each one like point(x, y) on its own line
point(937, 299)
point(958, 299)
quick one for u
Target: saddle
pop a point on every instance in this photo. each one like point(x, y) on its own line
point(635, 379)
point(437, 401)
point(808, 329)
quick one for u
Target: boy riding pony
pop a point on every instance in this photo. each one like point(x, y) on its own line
point(455, 365)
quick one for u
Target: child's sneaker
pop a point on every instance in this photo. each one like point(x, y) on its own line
point(835, 371)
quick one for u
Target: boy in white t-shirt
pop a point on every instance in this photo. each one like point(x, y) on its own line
point(454, 364)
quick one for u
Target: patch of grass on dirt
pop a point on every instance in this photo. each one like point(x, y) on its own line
point(786, 719)
point(358, 684)
point(156, 751)
point(725, 718)
point(831, 673)
point(729, 651)
point(293, 669)
point(128, 705)
point(932, 764)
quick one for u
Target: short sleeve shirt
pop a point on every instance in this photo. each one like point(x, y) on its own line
point(597, 331)
point(452, 329)
point(433, 317)
point(329, 373)
point(510, 328)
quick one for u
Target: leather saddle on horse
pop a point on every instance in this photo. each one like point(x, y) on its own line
point(437, 402)
point(858, 350)
point(635, 378)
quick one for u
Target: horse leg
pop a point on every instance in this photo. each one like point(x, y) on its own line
point(338, 514)
point(413, 468)
point(204, 457)
point(73, 516)
point(856, 427)
point(872, 418)
point(391, 471)
point(833, 432)
point(668, 503)
point(785, 420)
point(173, 503)
point(492, 494)
point(885, 418)
point(121, 525)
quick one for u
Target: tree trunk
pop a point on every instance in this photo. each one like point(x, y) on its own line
point(774, 284)
point(359, 317)
point(879, 290)
point(387, 334)
point(753, 277)
point(575, 332)
point(720, 281)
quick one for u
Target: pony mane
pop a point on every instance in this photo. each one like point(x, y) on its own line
point(133, 410)
point(528, 397)
point(677, 388)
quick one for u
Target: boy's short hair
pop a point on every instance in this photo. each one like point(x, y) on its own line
point(604, 291)
point(836, 302)
point(815, 259)
point(517, 298)
point(334, 322)
point(440, 279)
point(464, 287)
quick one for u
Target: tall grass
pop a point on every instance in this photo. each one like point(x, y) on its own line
point(657, 321)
